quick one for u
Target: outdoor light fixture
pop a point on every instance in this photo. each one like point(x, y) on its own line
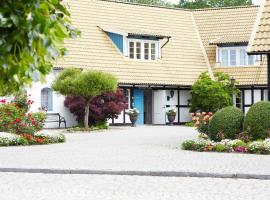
point(172, 93)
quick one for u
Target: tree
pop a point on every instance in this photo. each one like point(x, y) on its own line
point(87, 84)
point(197, 4)
point(32, 36)
point(211, 95)
point(108, 105)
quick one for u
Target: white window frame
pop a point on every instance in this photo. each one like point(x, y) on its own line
point(142, 42)
point(238, 49)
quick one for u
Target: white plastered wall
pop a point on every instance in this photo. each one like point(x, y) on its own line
point(58, 101)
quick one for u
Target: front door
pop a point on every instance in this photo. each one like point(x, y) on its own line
point(159, 112)
point(138, 99)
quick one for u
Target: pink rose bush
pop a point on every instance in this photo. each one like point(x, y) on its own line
point(201, 121)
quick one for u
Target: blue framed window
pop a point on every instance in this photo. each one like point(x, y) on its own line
point(47, 99)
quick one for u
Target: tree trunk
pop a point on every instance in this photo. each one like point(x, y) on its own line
point(86, 114)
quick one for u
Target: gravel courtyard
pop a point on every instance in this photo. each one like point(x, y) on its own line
point(145, 148)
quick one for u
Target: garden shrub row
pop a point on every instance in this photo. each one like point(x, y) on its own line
point(11, 139)
point(237, 146)
point(228, 130)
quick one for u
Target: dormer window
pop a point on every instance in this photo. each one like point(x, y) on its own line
point(137, 45)
point(143, 49)
point(236, 56)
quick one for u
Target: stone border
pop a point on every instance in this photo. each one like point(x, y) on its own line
point(139, 173)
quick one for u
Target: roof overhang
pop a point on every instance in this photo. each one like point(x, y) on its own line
point(131, 33)
point(230, 39)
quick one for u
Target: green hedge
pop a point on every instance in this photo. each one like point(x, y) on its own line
point(226, 124)
point(257, 121)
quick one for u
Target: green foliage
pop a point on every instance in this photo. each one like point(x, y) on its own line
point(226, 124)
point(211, 95)
point(190, 124)
point(220, 148)
point(188, 145)
point(22, 101)
point(198, 4)
point(257, 121)
point(32, 37)
point(86, 84)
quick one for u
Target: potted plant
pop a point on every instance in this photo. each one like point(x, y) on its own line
point(133, 115)
point(171, 113)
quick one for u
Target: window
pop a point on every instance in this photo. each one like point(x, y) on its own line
point(138, 50)
point(146, 51)
point(225, 57)
point(236, 56)
point(143, 49)
point(131, 50)
point(47, 99)
point(232, 57)
point(153, 51)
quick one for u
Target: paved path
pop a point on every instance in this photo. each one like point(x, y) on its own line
point(98, 187)
point(147, 148)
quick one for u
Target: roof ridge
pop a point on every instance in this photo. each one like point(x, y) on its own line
point(224, 8)
point(146, 5)
point(182, 9)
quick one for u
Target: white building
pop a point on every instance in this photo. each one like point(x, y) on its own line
point(158, 53)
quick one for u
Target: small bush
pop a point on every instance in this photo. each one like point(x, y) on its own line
point(220, 148)
point(189, 145)
point(257, 121)
point(226, 124)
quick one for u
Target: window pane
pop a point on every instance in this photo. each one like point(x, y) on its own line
point(131, 50)
point(138, 50)
point(153, 51)
point(243, 57)
point(146, 51)
point(251, 60)
point(225, 56)
point(232, 57)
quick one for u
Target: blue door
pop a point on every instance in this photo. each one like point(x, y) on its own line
point(138, 98)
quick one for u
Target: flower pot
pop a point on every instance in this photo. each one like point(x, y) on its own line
point(171, 119)
point(133, 119)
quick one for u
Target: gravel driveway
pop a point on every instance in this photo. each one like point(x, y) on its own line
point(145, 148)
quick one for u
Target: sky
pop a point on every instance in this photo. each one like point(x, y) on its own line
point(257, 2)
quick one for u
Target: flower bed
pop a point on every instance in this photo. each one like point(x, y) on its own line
point(230, 146)
point(10, 139)
point(18, 126)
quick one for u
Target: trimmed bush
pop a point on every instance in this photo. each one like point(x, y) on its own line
point(226, 124)
point(257, 121)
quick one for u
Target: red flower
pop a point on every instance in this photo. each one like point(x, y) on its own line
point(3, 101)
